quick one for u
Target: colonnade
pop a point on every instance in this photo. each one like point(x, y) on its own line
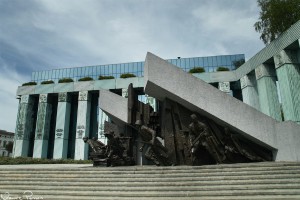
point(34, 128)
point(273, 87)
point(40, 134)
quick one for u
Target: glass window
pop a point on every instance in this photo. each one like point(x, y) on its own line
point(209, 63)
point(213, 61)
point(218, 61)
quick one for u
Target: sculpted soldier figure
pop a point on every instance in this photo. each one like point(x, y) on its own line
point(98, 154)
point(114, 148)
point(155, 152)
point(201, 136)
point(94, 144)
point(234, 149)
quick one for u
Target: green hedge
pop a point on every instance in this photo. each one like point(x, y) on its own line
point(25, 160)
point(127, 75)
point(65, 80)
point(222, 69)
point(47, 82)
point(197, 70)
point(29, 83)
point(105, 77)
point(86, 79)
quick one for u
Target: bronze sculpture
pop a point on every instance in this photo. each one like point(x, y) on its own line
point(186, 139)
point(113, 154)
point(155, 151)
point(200, 135)
point(99, 151)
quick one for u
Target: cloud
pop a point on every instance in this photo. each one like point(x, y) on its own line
point(229, 27)
point(45, 34)
point(9, 81)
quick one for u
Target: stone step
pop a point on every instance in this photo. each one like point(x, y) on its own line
point(177, 193)
point(251, 197)
point(144, 184)
point(170, 187)
point(84, 167)
point(125, 174)
point(163, 178)
point(235, 181)
point(89, 171)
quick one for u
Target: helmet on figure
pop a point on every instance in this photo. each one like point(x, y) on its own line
point(138, 122)
point(85, 139)
point(194, 117)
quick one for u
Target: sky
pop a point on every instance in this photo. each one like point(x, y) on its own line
point(48, 34)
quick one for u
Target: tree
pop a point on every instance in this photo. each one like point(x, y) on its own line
point(276, 16)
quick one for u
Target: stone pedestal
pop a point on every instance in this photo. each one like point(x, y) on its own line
point(83, 125)
point(267, 90)
point(288, 73)
point(42, 127)
point(24, 126)
point(62, 126)
point(249, 91)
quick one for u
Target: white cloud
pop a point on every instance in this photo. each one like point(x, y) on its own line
point(9, 81)
point(44, 34)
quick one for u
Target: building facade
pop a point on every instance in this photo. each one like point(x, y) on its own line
point(53, 118)
point(6, 143)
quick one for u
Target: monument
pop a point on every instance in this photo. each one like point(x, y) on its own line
point(253, 115)
point(196, 123)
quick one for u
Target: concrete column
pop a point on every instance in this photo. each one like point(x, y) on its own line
point(24, 126)
point(42, 127)
point(102, 117)
point(267, 90)
point(62, 126)
point(225, 87)
point(288, 74)
point(83, 125)
point(249, 91)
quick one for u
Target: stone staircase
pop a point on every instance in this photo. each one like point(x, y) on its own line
point(268, 180)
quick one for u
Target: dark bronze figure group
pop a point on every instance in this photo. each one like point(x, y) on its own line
point(173, 136)
point(113, 154)
point(226, 150)
point(156, 151)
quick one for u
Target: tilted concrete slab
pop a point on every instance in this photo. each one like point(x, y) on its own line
point(164, 80)
point(115, 106)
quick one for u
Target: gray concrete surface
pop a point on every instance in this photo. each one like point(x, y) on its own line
point(114, 106)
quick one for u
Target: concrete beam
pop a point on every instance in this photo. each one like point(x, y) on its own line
point(115, 106)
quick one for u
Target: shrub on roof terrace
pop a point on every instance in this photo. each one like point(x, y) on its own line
point(29, 83)
point(47, 82)
point(127, 75)
point(197, 70)
point(105, 77)
point(86, 79)
point(222, 69)
point(65, 80)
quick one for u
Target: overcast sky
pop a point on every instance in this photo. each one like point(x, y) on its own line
point(46, 34)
